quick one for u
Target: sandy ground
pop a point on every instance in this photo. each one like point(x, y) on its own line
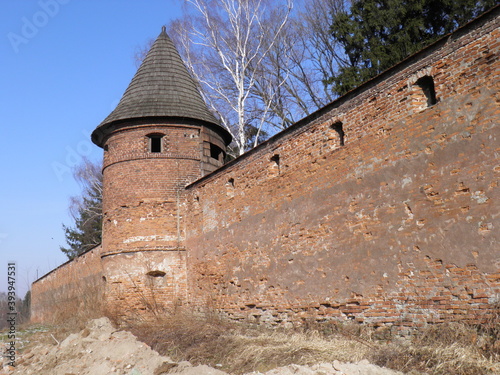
point(100, 349)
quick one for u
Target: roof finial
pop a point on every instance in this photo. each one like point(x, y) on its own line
point(163, 29)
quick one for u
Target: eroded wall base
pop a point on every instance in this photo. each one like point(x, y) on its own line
point(144, 285)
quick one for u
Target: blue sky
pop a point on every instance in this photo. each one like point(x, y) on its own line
point(64, 66)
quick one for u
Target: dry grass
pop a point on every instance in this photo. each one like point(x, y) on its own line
point(70, 316)
point(429, 359)
point(448, 348)
point(237, 348)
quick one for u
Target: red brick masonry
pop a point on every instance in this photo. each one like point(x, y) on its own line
point(381, 207)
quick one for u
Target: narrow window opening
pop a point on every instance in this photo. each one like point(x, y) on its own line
point(106, 148)
point(230, 188)
point(156, 273)
point(216, 153)
point(196, 202)
point(274, 167)
point(339, 129)
point(424, 93)
point(155, 142)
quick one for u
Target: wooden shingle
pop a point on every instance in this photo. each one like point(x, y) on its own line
point(162, 87)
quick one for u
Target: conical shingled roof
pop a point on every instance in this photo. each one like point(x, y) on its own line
point(162, 87)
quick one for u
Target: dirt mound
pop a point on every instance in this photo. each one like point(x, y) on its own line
point(336, 368)
point(97, 349)
point(100, 349)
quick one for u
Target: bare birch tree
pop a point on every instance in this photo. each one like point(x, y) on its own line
point(261, 67)
point(224, 43)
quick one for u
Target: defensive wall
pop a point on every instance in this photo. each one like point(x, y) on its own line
point(74, 286)
point(381, 207)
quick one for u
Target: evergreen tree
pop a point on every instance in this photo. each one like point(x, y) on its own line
point(377, 34)
point(86, 210)
point(25, 308)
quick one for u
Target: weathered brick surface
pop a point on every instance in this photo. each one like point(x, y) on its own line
point(143, 239)
point(141, 265)
point(75, 285)
point(141, 284)
point(398, 226)
point(380, 208)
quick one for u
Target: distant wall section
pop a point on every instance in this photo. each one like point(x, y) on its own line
point(74, 288)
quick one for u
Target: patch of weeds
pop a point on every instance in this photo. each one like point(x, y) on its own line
point(489, 334)
point(448, 348)
point(237, 348)
point(240, 348)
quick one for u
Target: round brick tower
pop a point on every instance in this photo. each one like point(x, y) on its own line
point(160, 137)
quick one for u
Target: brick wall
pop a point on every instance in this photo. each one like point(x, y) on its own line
point(143, 239)
point(141, 267)
point(74, 287)
point(142, 284)
point(382, 207)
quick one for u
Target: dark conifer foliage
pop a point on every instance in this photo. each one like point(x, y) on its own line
point(86, 210)
point(377, 34)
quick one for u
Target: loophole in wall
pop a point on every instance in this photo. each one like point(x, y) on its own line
point(156, 273)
